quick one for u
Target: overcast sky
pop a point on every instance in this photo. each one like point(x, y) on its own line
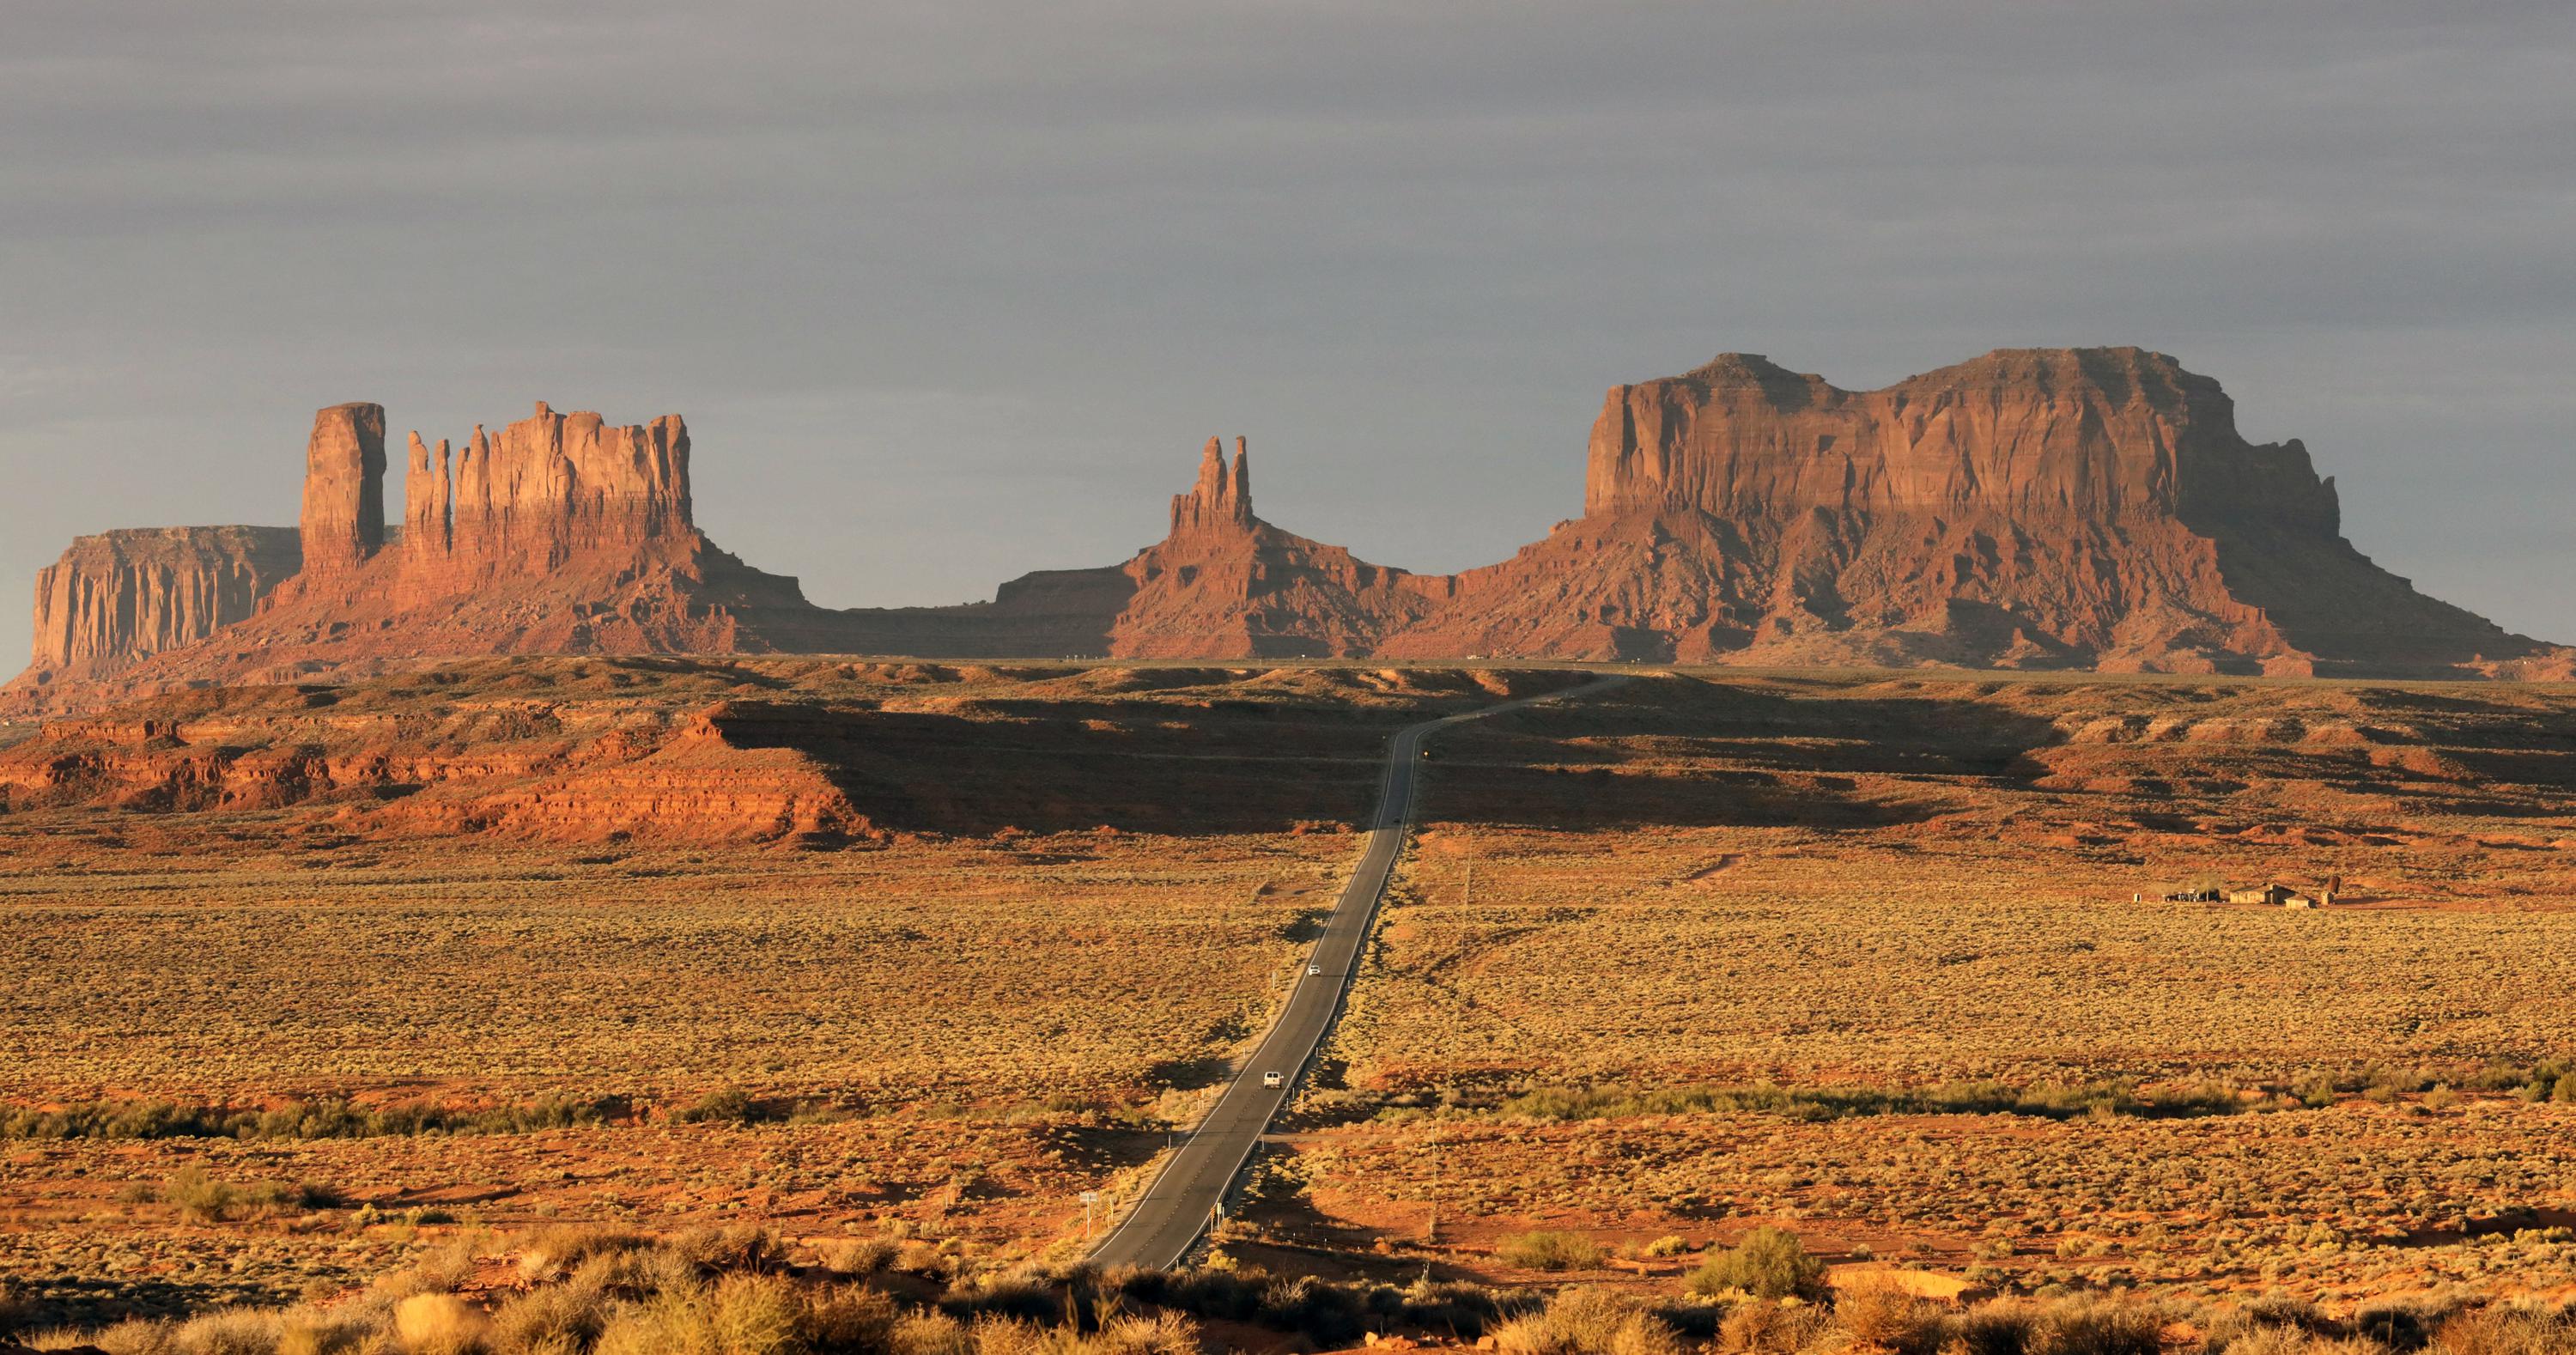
point(950, 291)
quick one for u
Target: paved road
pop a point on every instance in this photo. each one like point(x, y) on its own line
point(1164, 1225)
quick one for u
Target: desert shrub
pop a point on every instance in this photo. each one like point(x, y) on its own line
point(232, 1331)
point(340, 1331)
point(1146, 1334)
point(443, 1269)
point(198, 1196)
point(1992, 1329)
point(1588, 1322)
point(862, 1256)
point(438, 1324)
point(757, 1315)
point(2315, 1090)
point(1671, 1244)
point(2201, 1096)
point(556, 1251)
point(2283, 1310)
point(675, 1322)
point(1326, 1313)
point(1885, 1317)
point(1548, 1249)
point(850, 1317)
point(134, 1336)
point(2382, 1083)
point(1319, 1309)
point(567, 1315)
point(1770, 1263)
point(2502, 1330)
point(730, 1105)
point(925, 1333)
point(2400, 1324)
point(2095, 1327)
point(1765, 1328)
point(1013, 1295)
point(744, 1246)
point(918, 1257)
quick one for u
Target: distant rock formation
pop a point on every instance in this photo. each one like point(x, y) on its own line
point(1227, 585)
point(2056, 508)
point(1223, 584)
point(117, 597)
point(562, 534)
point(2033, 508)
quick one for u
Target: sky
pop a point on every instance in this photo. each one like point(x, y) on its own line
point(948, 292)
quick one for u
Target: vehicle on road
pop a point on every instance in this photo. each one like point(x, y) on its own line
point(1270, 1079)
point(1314, 969)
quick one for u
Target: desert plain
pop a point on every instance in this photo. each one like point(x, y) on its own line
point(306, 986)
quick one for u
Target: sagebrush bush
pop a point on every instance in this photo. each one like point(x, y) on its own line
point(1770, 1263)
point(758, 1314)
point(551, 1253)
point(1549, 1249)
point(1884, 1317)
point(1588, 1322)
point(2099, 1327)
point(438, 1324)
point(198, 1196)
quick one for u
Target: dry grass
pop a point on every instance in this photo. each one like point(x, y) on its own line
point(1701, 916)
point(926, 973)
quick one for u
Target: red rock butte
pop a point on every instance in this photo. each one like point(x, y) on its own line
point(2032, 508)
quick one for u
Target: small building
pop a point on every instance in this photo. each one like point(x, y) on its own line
point(2269, 896)
point(2291, 898)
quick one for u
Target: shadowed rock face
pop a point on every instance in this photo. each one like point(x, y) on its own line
point(2032, 508)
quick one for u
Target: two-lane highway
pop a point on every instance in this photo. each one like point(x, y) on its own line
point(1177, 1207)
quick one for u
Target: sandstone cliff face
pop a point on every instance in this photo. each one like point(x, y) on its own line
point(550, 488)
point(2100, 434)
point(118, 596)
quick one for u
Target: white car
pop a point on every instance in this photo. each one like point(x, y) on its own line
point(1270, 1079)
point(1313, 969)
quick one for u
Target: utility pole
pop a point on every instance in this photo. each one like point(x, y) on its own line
point(1467, 897)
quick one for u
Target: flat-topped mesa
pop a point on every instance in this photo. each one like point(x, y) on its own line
point(1222, 499)
point(343, 524)
point(2103, 433)
point(118, 596)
